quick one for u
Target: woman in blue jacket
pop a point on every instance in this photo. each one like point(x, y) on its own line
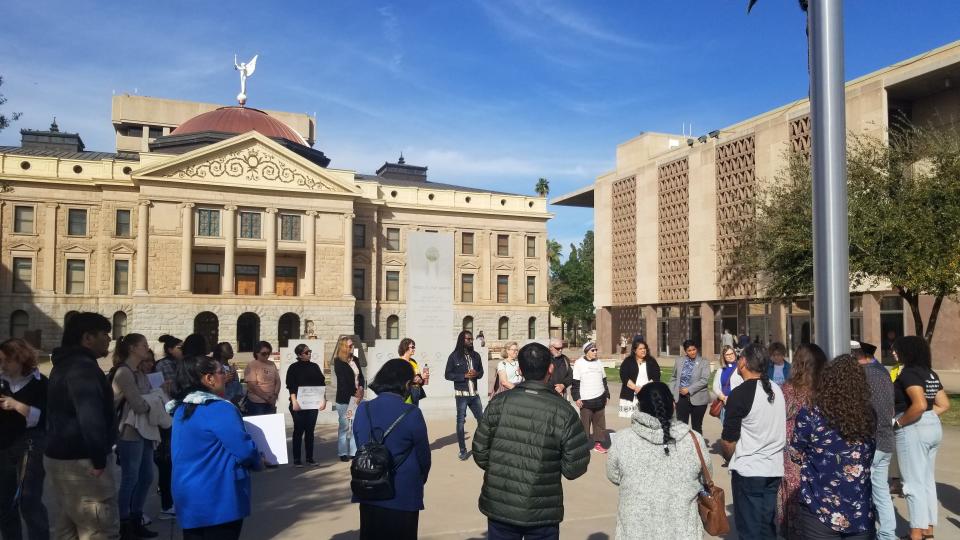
point(212, 454)
point(395, 518)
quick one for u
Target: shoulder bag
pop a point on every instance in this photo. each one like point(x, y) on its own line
point(710, 501)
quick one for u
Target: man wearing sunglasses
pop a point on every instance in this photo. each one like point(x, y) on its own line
point(562, 376)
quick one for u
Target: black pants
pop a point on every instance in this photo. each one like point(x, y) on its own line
point(497, 530)
point(223, 531)
point(304, 423)
point(164, 469)
point(377, 523)
point(755, 505)
point(691, 414)
point(30, 504)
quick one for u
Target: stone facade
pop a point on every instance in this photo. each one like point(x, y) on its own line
point(244, 239)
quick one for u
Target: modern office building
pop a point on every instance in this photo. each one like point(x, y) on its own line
point(668, 215)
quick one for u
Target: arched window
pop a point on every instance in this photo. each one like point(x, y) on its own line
point(119, 325)
point(393, 327)
point(504, 326)
point(248, 332)
point(532, 328)
point(288, 328)
point(207, 325)
point(19, 322)
point(68, 316)
point(468, 324)
point(359, 327)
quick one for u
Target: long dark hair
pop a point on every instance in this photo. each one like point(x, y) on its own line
point(808, 362)
point(460, 349)
point(912, 351)
point(395, 376)
point(190, 374)
point(758, 362)
point(656, 400)
point(844, 398)
point(637, 342)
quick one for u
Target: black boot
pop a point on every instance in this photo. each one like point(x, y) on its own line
point(136, 525)
point(126, 530)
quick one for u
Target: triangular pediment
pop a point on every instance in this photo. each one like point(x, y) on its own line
point(469, 266)
point(23, 247)
point(532, 268)
point(77, 249)
point(122, 250)
point(361, 258)
point(504, 266)
point(251, 160)
point(393, 262)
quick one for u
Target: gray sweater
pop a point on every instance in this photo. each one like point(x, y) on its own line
point(658, 492)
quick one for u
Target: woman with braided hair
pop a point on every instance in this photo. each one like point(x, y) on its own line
point(658, 471)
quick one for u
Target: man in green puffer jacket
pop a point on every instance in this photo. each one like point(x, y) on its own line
point(527, 438)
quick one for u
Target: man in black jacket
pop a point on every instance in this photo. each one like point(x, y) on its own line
point(464, 368)
point(562, 376)
point(527, 440)
point(81, 430)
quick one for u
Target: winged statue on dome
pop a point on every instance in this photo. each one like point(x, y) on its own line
point(246, 69)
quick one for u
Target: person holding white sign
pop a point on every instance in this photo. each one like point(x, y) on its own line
point(212, 454)
point(304, 374)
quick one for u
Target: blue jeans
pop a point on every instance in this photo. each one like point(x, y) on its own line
point(755, 505)
point(917, 446)
point(886, 518)
point(473, 402)
point(30, 506)
point(346, 444)
point(136, 475)
point(256, 409)
point(497, 530)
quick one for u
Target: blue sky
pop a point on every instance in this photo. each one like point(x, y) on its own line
point(490, 94)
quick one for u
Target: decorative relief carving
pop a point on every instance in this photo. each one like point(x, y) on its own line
point(674, 230)
point(252, 164)
point(624, 233)
point(736, 185)
point(800, 135)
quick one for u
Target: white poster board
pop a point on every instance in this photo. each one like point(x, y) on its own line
point(156, 380)
point(270, 435)
point(311, 397)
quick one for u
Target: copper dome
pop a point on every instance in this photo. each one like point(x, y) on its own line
point(239, 120)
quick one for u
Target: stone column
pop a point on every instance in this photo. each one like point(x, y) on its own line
point(270, 232)
point(50, 248)
point(143, 243)
point(707, 336)
point(186, 247)
point(229, 248)
point(488, 280)
point(348, 255)
point(310, 264)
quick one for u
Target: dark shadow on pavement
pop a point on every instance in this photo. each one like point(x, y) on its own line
point(599, 536)
point(446, 440)
point(949, 497)
point(349, 535)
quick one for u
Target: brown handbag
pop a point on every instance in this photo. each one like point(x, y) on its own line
point(711, 505)
point(716, 408)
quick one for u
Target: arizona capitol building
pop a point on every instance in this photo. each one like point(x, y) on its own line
point(225, 221)
point(671, 207)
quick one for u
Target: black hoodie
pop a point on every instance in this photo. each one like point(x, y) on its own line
point(80, 416)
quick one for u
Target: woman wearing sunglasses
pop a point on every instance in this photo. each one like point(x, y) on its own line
point(303, 372)
point(263, 382)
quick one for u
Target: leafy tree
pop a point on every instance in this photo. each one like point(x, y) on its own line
point(904, 225)
point(571, 287)
point(5, 122)
point(543, 187)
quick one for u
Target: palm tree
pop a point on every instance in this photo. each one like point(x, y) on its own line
point(543, 187)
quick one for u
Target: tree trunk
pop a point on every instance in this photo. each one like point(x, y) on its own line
point(913, 299)
point(934, 313)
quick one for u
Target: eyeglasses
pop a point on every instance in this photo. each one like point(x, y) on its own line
point(413, 346)
point(592, 350)
point(307, 352)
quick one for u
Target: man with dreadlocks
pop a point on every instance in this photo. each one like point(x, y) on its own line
point(464, 368)
point(753, 439)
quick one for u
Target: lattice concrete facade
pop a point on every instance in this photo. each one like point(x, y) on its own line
point(736, 187)
point(673, 221)
point(624, 241)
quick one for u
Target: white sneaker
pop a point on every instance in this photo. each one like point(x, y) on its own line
point(169, 513)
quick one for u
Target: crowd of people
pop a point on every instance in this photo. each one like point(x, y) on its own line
point(808, 444)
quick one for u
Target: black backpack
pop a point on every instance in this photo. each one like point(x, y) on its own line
point(373, 468)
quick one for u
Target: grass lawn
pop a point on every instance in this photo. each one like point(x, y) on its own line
point(952, 417)
point(613, 374)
